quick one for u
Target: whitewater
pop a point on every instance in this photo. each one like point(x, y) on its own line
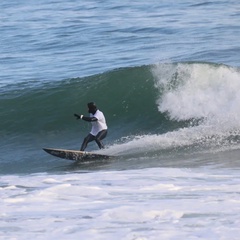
point(167, 77)
point(165, 204)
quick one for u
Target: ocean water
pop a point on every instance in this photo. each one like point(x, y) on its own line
point(166, 75)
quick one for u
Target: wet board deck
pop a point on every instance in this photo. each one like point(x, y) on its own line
point(76, 155)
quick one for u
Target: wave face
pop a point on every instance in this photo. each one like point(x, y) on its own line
point(148, 109)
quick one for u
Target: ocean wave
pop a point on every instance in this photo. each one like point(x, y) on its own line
point(137, 101)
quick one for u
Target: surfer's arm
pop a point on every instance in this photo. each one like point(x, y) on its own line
point(77, 116)
point(89, 119)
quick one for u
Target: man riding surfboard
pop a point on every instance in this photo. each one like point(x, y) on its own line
point(99, 126)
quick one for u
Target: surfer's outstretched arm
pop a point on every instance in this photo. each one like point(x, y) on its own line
point(88, 119)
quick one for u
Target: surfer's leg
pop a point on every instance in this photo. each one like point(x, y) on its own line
point(87, 139)
point(100, 136)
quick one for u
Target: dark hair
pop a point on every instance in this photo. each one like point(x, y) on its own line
point(92, 105)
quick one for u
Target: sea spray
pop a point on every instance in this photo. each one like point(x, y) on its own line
point(199, 91)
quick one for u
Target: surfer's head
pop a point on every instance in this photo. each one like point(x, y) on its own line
point(92, 108)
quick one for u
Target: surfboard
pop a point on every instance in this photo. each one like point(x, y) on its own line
point(76, 155)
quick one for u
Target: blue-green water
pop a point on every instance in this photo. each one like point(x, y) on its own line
point(166, 75)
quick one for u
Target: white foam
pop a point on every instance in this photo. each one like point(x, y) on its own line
point(138, 204)
point(192, 91)
point(129, 214)
point(199, 91)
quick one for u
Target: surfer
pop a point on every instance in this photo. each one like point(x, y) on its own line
point(99, 126)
